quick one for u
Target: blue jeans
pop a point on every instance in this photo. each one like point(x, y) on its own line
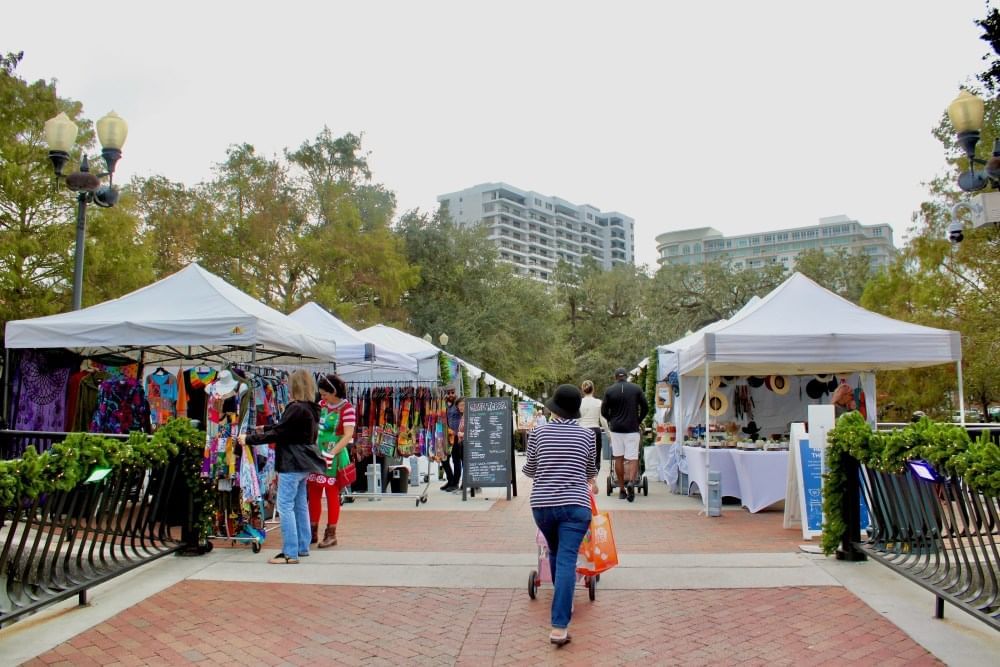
point(564, 528)
point(294, 513)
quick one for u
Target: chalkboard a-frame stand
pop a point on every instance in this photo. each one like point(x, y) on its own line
point(489, 444)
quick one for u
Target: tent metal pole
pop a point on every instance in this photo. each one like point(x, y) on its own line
point(708, 450)
point(961, 393)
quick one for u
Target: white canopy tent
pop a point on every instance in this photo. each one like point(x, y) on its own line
point(358, 358)
point(801, 328)
point(417, 348)
point(191, 314)
point(426, 355)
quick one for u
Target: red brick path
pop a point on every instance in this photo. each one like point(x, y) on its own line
point(247, 624)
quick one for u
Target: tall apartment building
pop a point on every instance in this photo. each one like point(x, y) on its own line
point(705, 244)
point(533, 231)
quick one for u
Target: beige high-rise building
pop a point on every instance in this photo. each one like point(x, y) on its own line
point(533, 231)
point(759, 249)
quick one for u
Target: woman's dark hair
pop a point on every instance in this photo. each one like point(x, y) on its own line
point(332, 384)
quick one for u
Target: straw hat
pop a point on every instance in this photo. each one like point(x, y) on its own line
point(718, 404)
point(778, 384)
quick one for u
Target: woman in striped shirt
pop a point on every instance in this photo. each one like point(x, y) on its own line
point(561, 462)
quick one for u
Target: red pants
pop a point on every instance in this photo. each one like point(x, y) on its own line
point(314, 492)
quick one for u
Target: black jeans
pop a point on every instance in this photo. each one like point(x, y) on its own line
point(454, 470)
point(597, 446)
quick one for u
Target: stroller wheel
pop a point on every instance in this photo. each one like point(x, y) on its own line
point(645, 486)
point(592, 588)
point(255, 546)
point(611, 487)
point(532, 584)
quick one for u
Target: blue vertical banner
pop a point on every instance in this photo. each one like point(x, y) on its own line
point(811, 486)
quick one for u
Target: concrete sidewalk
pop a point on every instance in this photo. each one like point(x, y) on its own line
point(449, 586)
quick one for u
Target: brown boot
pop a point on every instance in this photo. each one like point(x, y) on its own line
point(315, 533)
point(329, 538)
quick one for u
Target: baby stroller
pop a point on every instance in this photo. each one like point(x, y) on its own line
point(642, 484)
point(544, 575)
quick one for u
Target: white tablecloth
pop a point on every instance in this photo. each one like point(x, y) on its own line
point(757, 478)
point(719, 460)
point(762, 476)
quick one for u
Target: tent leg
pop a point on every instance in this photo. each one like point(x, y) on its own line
point(708, 450)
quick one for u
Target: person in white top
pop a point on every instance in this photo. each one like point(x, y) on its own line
point(590, 417)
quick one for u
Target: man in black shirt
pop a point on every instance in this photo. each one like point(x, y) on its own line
point(624, 408)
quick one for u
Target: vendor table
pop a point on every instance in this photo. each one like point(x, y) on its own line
point(763, 477)
point(757, 478)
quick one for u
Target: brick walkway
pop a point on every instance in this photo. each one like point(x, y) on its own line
point(220, 623)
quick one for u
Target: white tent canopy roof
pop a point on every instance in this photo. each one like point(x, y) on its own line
point(400, 341)
point(356, 355)
point(802, 328)
point(425, 352)
point(191, 308)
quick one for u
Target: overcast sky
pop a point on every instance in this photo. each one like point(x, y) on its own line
point(743, 116)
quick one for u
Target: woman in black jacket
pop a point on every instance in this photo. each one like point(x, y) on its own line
point(295, 456)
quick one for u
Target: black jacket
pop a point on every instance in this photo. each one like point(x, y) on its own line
point(624, 407)
point(294, 439)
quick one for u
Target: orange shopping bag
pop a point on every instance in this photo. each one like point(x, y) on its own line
point(597, 551)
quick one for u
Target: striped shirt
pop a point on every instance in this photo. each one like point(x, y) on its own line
point(561, 462)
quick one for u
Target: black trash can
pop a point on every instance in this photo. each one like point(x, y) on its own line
point(399, 479)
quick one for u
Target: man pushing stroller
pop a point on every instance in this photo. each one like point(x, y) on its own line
point(624, 408)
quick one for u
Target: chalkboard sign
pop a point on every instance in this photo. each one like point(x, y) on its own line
point(488, 443)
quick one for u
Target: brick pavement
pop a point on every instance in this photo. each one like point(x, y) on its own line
point(224, 623)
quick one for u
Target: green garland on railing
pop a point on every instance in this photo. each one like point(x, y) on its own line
point(444, 367)
point(651, 372)
point(481, 389)
point(65, 464)
point(945, 446)
point(191, 444)
point(466, 381)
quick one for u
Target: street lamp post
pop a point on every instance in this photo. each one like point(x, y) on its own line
point(966, 113)
point(60, 135)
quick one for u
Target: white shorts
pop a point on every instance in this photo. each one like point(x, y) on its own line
point(625, 444)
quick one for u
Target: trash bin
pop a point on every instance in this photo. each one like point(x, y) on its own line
point(399, 479)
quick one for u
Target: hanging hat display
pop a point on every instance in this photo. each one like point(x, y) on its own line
point(755, 381)
point(714, 381)
point(824, 377)
point(718, 404)
point(815, 388)
point(778, 384)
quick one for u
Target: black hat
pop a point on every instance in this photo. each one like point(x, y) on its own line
point(565, 402)
point(620, 373)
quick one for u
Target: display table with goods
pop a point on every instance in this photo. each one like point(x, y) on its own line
point(755, 476)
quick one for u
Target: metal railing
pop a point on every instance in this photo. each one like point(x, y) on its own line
point(939, 534)
point(62, 544)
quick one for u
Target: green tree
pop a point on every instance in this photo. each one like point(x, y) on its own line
point(838, 270)
point(356, 264)
point(175, 221)
point(687, 297)
point(36, 232)
point(495, 319)
point(254, 238)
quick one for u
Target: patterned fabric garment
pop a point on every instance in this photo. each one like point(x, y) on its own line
point(41, 393)
point(161, 392)
point(121, 407)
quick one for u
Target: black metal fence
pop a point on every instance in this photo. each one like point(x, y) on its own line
point(61, 544)
point(938, 533)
